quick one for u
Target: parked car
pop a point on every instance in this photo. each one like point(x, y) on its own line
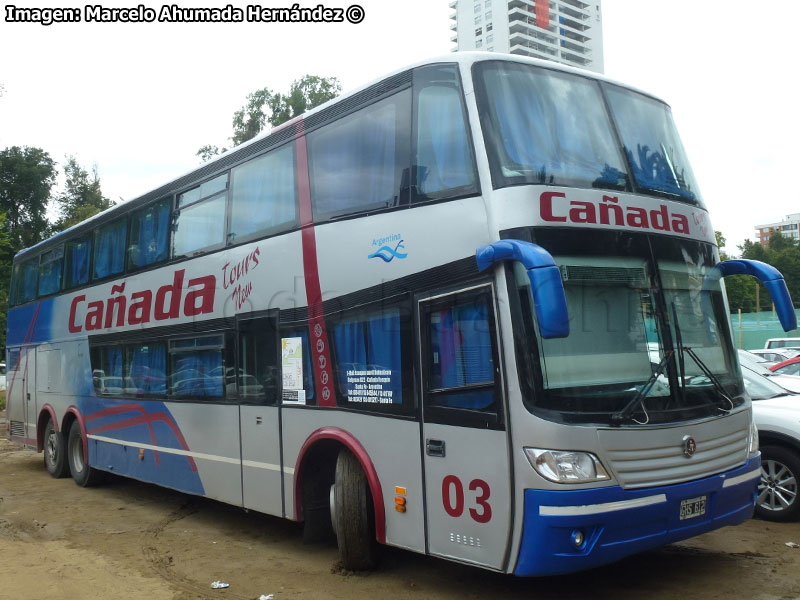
point(2, 377)
point(775, 356)
point(776, 414)
point(790, 383)
point(787, 367)
point(782, 343)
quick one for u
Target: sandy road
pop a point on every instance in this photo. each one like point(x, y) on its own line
point(127, 540)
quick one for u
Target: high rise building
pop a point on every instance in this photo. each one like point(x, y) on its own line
point(565, 31)
point(788, 228)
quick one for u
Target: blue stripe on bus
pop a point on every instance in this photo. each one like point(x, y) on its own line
point(27, 326)
point(651, 520)
point(149, 423)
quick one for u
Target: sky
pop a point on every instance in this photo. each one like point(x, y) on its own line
point(139, 99)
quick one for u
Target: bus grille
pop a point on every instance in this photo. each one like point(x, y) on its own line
point(656, 457)
point(17, 428)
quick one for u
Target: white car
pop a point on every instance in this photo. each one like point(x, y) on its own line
point(2, 377)
point(776, 414)
point(776, 355)
point(788, 382)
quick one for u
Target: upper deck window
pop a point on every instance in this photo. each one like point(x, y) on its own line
point(200, 218)
point(25, 281)
point(357, 163)
point(50, 271)
point(654, 150)
point(444, 165)
point(149, 235)
point(263, 195)
point(109, 249)
point(78, 254)
point(546, 127)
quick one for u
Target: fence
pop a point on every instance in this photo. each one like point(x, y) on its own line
point(752, 330)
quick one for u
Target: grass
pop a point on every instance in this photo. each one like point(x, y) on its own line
point(2, 399)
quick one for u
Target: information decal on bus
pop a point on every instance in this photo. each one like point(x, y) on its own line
point(292, 370)
point(370, 385)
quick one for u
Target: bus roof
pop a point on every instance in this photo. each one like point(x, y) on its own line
point(244, 151)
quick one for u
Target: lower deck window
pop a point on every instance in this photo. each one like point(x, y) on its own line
point(196, 368)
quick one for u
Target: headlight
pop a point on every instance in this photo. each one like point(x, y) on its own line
point(563, 466)
point(753, 444)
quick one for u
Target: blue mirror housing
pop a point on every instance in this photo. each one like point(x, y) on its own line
point(546, 285)
point(772, 280)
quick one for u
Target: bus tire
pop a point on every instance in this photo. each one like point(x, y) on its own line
point(777, 491)
point(55, 452)
point(354, 515)
point(82, 473)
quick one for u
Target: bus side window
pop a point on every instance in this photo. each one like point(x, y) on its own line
point(460, 356)
point(50, 271)
point(357, 162)
point(371, 348)
point(200, 217)
point(263, 195)
point(26, 279)
point(444, 164)
point(77, 255)
point(109, 249)
point(259, 365)
point(149, 235)
point(197, 369)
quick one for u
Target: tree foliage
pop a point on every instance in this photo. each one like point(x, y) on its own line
point(82, 196)
point(27, 176)
point(746, 293)
point(265, 106)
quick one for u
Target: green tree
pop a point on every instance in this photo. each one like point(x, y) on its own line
point(82, 196)
point(6, 256)
point(265, 106)
point(27, 176)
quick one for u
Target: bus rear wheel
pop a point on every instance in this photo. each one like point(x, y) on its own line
point(82, 473)
point(55, 455)
point(354, 515)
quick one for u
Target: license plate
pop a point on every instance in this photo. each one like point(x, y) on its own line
point(693, 507)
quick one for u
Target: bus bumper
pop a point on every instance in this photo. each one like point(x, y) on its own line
point(614, 523)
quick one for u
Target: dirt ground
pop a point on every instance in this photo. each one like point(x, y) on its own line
point(127, 540)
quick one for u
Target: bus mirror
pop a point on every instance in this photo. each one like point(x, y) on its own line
point(772, 280)
point(546, 285)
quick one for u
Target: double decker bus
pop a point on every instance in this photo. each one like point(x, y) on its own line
point(472, 310)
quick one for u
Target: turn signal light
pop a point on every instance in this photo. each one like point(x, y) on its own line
point(400, 499)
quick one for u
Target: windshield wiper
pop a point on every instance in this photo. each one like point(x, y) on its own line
point(619, 417)
point(703, 367)
point(711, 377)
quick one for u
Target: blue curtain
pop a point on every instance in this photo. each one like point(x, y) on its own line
point(150, 233)
point(146, 368)
point(353, 161)
point(197, 374)
point(27, 291)
point(109, 252)
point(77, 272)
point(553, 128)
point(443, 157)
point(263, 193)
point(461, 352)
point(50, 277)
point(372, 345)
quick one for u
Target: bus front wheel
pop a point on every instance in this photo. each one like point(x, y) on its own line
point(55, 455)
point(82, 473)
point(354, 515)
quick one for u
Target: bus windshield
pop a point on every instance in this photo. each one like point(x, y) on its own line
point(647, 328)
point(543, 126)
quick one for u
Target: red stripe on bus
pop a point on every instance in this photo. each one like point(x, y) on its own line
point(352, 444)
point(129, 407)
point(317, 331)
point(148, 419)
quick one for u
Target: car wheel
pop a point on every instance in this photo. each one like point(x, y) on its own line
point(777, 491)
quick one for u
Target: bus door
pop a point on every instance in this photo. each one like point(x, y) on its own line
point(464, 437)
point(258, 385)
point(24, 392)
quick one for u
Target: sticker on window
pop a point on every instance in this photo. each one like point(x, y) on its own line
point(292, 370)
